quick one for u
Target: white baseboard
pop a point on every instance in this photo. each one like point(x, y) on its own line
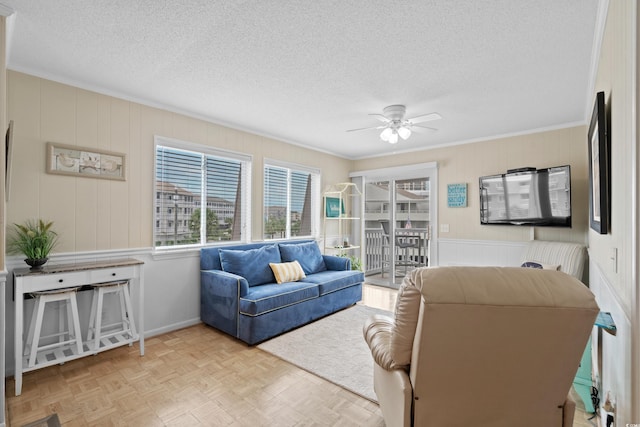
point(171, 328)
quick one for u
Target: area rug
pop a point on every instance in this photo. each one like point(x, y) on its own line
point(332, 348)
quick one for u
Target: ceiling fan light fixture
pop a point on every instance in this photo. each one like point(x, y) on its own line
point(396, 125)
point(393, 138)
point(385, 134)
point(404, 132)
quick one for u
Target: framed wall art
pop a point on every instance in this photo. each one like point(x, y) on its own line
point(8, 146)
point(599, 168)
point(457, 195)
point(85, 162)
point(334, 207)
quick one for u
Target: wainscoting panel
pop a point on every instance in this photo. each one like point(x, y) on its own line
point(479, 252)
point(3, 280)
point(612, 355)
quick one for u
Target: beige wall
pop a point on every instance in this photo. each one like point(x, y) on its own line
point(94, 214)
point(468, 162)
point(615, 79)
point(617, 289)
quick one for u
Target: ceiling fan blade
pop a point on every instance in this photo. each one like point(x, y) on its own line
point(380, 117)
point(419, 129)
point(374, 127)
point(425, 118)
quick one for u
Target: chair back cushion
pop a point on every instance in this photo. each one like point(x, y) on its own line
point(405, 321)
point(497, 345)
point(570, 257)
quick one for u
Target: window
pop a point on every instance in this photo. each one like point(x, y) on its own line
point(190, 177)
point(291, 201)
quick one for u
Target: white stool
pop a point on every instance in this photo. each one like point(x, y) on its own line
point(67, 295)
point(126, 326)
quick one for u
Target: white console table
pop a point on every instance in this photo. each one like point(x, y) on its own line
point(66, 276)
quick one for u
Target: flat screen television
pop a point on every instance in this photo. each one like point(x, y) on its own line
point(527, 196)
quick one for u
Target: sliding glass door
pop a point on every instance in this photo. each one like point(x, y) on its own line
point(399, 216)
point(411, 225)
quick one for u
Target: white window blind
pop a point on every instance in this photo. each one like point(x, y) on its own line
point(290, 202)
point(192, 179)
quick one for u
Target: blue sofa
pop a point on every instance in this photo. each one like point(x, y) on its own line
point(240, 295)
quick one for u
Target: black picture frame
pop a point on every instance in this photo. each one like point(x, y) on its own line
point(8, 154)
point(599, 168)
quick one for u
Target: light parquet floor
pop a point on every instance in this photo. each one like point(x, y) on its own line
point(195, 376)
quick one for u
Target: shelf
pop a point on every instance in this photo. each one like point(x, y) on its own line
point(66, 353)
point(343, 248)
point(605, 321)
point(343, 217)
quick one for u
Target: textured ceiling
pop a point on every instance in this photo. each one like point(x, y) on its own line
point(306, 71)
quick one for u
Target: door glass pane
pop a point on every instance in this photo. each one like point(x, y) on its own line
point(412, 224)
point(377, 245)
point(397, 225)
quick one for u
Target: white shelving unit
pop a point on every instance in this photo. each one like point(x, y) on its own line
point(343, 220)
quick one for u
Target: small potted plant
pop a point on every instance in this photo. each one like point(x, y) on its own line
point(356, 264)
point(33, 239)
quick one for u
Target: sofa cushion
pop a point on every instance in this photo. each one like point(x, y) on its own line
point(265, 298)
point(251, 264)
point(307, 254)
point(330, 280)
point(287, 271)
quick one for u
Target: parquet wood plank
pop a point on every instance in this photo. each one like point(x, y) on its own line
point(195, 376)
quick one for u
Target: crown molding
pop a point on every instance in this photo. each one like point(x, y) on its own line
point(6, 10)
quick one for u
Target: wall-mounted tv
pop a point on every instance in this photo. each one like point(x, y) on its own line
point(527, 196)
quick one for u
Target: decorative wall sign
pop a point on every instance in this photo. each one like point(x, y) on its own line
point(457, 195)
point(333, 207)
point(86, 162)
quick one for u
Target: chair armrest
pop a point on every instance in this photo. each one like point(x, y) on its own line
point(377, 332)
point(220, 294)
point(337, 263)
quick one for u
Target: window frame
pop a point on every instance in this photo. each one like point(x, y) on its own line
point(205, 150)
point(314, 199)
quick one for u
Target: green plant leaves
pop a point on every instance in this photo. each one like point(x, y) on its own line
point(34, 239)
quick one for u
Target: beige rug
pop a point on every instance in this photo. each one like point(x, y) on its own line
point(332, 348)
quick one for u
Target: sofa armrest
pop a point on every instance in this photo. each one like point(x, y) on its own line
point(225, 279)
point(337, 263)
point(220, 298)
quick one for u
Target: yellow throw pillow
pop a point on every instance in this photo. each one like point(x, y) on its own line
point(287, 271)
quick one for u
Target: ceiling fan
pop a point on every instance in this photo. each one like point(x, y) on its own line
point(396, 125)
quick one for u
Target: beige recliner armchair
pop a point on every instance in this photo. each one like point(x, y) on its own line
point(482, 346)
